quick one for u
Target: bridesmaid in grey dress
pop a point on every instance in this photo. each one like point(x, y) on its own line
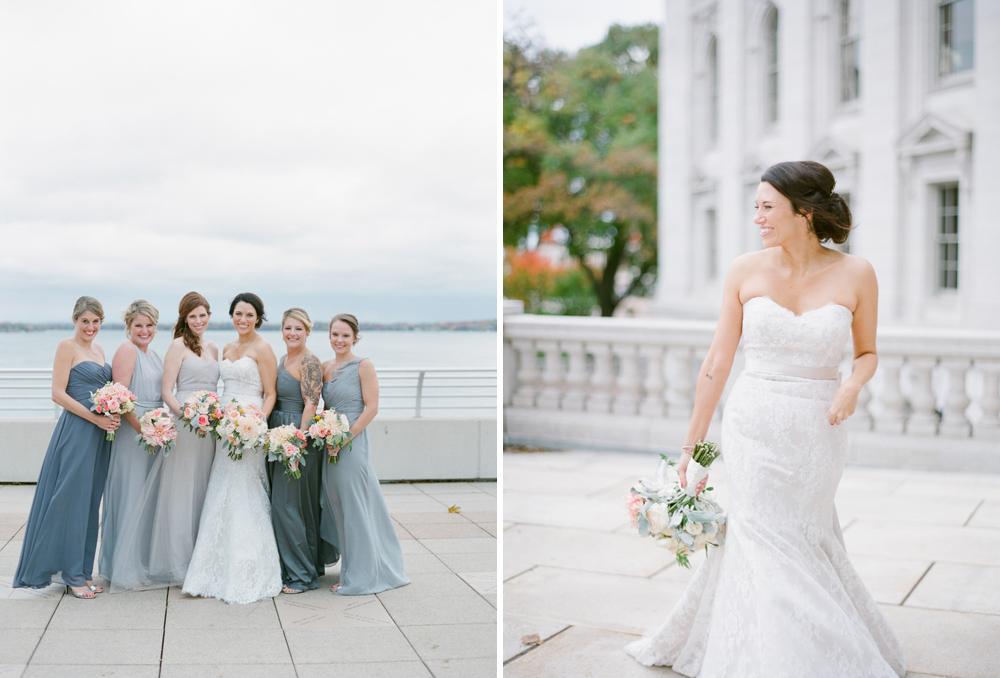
point(60, 539)
point(141, 369)
point(372, 558)
point(155, 547)
point(295, 504)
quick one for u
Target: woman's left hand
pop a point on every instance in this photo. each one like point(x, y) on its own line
point(844, 402)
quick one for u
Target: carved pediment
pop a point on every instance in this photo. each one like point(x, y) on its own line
point(933, 135)
point(834, 155)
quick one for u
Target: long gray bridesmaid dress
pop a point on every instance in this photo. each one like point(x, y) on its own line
point(372, 558)
point(130, 463)
point(61, 536)
point(154, 548)
point(295, 504)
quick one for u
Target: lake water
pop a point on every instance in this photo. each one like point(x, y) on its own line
point(396, 350)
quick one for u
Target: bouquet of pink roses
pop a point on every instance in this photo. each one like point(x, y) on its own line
point(287, 444)
point(201, 412)
point(680, 520)
point(157, 429)
point(243, 427)
point(331, 428)
point(112, 398)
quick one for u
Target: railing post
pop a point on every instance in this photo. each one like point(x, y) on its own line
point(924, 418)
point(891, 415)
point(988, 425)
point(599, 399)
point(679, 383)
point(627, 399)
point(576, 377)
point(953, 419)
point(549, 393)
point(653, 404)
point(420, 392)
point(527, 373)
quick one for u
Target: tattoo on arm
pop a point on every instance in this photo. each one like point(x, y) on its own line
point(312, 379)
point(708, 376)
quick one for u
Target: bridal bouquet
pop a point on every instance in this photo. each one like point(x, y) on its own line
point(112, 398)
point(157, 429)
point(242, 426)
point(287, 444)
point(680, 521)
point(331, 428)
point(201, 412)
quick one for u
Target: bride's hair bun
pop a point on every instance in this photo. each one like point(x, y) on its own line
point(809, 186)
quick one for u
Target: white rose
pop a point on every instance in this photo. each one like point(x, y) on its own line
point(658, 517)
point(700, 541)
point(693, 527)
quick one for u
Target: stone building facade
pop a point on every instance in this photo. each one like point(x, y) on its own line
point(900, 98)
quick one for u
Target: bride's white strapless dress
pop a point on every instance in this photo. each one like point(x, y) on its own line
point(236, 558)
point(780, 599)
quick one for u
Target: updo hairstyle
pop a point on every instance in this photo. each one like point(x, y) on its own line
point(300, 315)
point(84, 304)
point(253, 300)
point(190, 302)
point(808, 186)
point(351, 321)
point(137, 308)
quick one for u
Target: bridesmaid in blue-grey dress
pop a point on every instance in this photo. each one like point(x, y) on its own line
point(295, 504)
point(61, 537)
point(155, 545)
point(372, 558)
point(141, 369)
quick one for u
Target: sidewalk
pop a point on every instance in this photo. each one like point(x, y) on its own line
point(443, 624)
point(927, 545)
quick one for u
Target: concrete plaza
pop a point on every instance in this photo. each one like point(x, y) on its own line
point(927, 545)
point(443, 624)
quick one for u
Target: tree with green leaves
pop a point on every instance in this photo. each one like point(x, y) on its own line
point(580, 152)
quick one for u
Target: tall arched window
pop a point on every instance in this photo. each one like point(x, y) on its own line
point(850, 33)
point(713, 90)
point(771, 65)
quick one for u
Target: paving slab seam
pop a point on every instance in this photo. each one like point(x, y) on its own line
point(914, 587)
point(284, 634)
point(535, 647)
point(405, 637)
point(44, 631)
point(973, 514)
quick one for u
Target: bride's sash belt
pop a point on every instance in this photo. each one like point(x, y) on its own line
point(785, 370)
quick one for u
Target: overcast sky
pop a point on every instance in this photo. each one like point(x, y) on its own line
point(568, 25)
point(340, 156)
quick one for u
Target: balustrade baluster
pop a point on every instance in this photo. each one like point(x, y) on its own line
point(891, 414)
point(953, 419)
point(627, 399)
point(924, 418)
point(575, 393)
point(861, 420)
point(988, 425)
point(527, 373)
point(551, 389)
point(599, 398)
point(653, 404)
point(680, 386)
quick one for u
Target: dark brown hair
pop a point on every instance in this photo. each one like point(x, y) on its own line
point(189, 302)
point(253, 300)
point(351, 321)
point(808, 186)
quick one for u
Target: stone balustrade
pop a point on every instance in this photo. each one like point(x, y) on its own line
point(630, 384)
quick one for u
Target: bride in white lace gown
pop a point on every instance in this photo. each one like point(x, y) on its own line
point(780, 598)
point(236, 558)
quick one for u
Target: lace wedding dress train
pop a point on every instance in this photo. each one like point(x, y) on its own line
point(236, 558)
point(780, 598)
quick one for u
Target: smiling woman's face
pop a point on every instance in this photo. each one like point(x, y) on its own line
point(244, 318)
point(87, 325)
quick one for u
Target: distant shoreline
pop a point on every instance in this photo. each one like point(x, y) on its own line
point(456, 326)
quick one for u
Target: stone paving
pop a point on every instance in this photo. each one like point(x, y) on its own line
point(927, 545)
point(443, 624)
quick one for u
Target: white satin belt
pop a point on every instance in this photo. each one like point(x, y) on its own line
point(768, 367)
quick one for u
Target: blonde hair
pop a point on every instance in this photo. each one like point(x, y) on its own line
point(300, 315)
point(137, 308)
point(84, 304)
point(351, 321)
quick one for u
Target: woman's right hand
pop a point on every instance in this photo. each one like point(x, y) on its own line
point(109, 422)
point(682, 473)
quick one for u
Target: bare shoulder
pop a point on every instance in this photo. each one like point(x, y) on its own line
point(210, 347)
point(859, 269)
point(366, 367)
point(126, 350)
point(327, 367)
point(310, 359)
point(747, 264)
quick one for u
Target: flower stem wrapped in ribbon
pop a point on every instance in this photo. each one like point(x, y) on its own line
point(702, 457)
point(681, 522)
point(287, 444)
point(330, 428)
point(157, 429)
point(112, 398)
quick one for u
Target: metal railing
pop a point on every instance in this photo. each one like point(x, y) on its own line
point(27, 392)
